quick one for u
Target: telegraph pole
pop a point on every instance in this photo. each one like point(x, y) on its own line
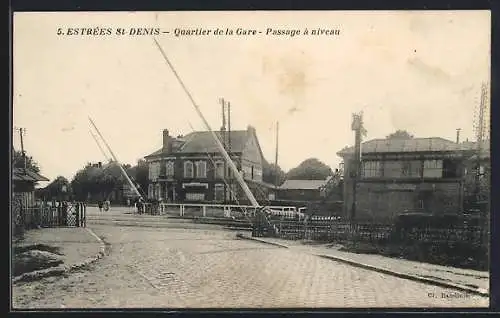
point(229, 148)
point(22, 132)
point(276, 161)
point(357, 127)
point(223, 140)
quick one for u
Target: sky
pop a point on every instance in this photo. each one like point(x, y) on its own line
point(417, 71)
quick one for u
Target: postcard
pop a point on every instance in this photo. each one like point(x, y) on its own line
point(251, 159)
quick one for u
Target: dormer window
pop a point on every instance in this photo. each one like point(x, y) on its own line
point(188, 169)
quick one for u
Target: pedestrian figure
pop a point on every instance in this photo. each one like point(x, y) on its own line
point(106, 205)
point(139, 206)
point(99, 204)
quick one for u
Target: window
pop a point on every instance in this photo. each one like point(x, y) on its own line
point(150, 191)
point(219, 170)
point(231, 192)
point(451, 169)
point(433, 168)
point(169, 171)
point(219, 192)
point(393, 169)
point(154, 170)
point(188, 169)
point(371, 169)
point(229, 172)
point(201, 169)
point(157, 191)
point(411, 169)
point(195, 196)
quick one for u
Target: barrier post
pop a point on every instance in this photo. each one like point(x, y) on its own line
point(77, 214)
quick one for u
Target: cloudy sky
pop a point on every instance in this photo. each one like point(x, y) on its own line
point(419, 71)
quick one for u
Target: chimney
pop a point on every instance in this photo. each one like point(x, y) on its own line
point(250, 129)
point(167, 141)
point(458, 135)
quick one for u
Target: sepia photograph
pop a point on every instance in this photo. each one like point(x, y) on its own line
point(250, 159)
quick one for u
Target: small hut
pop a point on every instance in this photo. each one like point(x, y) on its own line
point(23, 185)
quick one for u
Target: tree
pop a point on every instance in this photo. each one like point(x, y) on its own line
point(310, 169)
point(400, 134)
point(58, 188)
point(18, 162)
point(140, 174)
point(96, 181)
point(270, 171)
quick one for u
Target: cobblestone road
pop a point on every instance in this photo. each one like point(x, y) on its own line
point(155, 267)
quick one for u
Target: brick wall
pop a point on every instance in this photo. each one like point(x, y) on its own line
point(381, 200)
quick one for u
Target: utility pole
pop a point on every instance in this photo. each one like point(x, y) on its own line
point(357, 127)
point(22, 132)
point(229, 148)
point(223, 140)
point(276, 181)
point(482, 199)
point(479, 138)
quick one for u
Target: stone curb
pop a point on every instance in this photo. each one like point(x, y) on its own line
point(244, 237)
point(62, 269)
point(420, 279)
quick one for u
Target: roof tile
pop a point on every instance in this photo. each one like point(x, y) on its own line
point(203, 142)
point(405, 145)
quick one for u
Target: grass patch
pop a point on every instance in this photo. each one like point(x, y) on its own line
point(35, 257)
point(39, 247)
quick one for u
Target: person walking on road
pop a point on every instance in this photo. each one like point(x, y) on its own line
point(99, 204)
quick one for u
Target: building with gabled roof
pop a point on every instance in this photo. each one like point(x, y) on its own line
point(23, 185)
point(191, 168)
point(402, 175)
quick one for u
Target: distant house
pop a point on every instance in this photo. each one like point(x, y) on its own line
point(398, 175)
point(191, 168)
point(302, 190)
point(23, 185)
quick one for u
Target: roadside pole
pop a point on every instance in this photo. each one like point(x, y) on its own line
point(357, 127)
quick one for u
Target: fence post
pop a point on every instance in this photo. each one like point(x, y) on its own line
point(59, 215)
point(84, 214)
point(77, 214)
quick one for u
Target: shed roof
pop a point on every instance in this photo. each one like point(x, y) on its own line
point(302, 184)
point(21, 174)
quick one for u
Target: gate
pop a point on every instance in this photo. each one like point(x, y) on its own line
point(65, 215)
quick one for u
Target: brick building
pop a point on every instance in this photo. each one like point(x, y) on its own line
point(191, 169)
point(398, 175)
